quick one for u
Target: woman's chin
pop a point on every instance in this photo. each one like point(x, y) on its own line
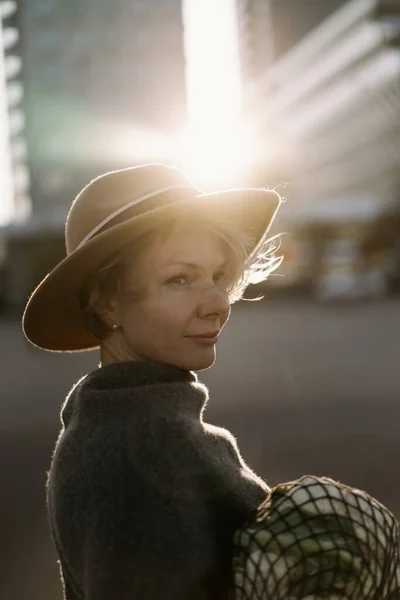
point(201, 366)
point(200, 362)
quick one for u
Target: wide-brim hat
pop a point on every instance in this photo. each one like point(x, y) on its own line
point(101, 221)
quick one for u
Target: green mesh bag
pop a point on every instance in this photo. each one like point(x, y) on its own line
point(315, 538)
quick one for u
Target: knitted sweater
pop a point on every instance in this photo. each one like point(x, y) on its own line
point(143, 497)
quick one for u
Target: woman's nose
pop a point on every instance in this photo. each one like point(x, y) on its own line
point(215, 304)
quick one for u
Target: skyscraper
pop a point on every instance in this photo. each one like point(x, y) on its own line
point(256, 37)
point(334, 113)
point(269, 28)
point(294, 19)
point(14, 174)
point(103, 82)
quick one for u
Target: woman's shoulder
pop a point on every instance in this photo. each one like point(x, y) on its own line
point(220, 434)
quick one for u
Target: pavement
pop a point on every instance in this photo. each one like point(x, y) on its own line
point(305, 388)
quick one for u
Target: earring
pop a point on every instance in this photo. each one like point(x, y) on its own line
point(114, 327)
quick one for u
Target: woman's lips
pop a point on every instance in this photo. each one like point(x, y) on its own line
point(206, 339)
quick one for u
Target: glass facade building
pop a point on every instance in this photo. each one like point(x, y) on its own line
point(102, 80)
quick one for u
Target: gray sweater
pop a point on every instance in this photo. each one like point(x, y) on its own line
point(143, 496)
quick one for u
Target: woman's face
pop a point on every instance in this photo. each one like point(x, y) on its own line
point(184, 297)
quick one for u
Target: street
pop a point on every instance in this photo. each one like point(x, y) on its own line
point(305, 388)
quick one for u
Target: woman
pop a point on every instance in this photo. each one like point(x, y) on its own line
point(143, 496)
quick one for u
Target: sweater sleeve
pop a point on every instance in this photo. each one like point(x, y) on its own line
point(232, 449)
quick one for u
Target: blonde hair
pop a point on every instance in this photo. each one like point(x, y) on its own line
point(246, 266)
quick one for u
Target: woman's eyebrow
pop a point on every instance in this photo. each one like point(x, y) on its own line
point(182, 263)
point(193, 266)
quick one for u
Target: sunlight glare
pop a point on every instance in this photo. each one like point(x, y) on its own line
point(218, 158)
point(215, 149)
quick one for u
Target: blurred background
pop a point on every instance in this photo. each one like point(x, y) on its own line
point(298, 95)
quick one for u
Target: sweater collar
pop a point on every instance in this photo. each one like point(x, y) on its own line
point(137, 373)
point(136, 385)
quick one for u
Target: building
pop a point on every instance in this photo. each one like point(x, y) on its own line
point(335, 97)
point(13, 155)
point(256, 38)
point(267, 30)
point(270, 28)
point(330, 109)
point(98, 78)
point(294, 20)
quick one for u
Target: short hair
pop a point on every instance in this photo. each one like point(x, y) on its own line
point(245, 267)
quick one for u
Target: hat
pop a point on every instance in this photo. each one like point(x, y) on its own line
point(101, 221)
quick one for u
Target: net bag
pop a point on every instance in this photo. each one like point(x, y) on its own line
point(315, 538)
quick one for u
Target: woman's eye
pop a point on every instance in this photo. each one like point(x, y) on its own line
point(222, 276)
point(180, 280)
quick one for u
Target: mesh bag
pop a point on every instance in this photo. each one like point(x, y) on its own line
point(315, 538)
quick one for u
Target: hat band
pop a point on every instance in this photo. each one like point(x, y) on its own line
point(126, 207)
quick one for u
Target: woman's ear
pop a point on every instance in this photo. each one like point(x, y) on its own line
point(106, 309)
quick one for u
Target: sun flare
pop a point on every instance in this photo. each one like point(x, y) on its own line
point(215, 148)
